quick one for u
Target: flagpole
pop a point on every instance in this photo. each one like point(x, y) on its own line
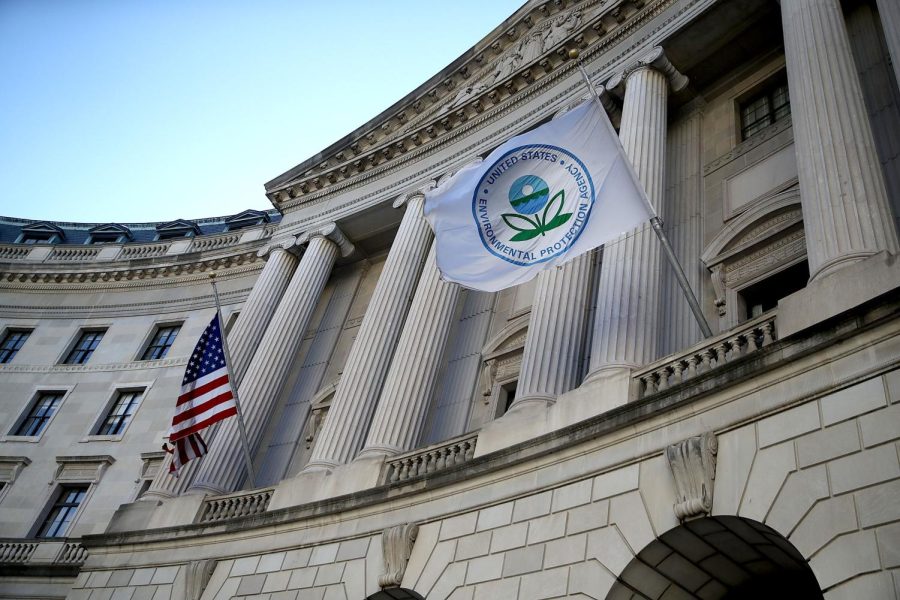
point(655, 221)
point(234, 386)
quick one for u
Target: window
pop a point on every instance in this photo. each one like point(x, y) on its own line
point(507, 397)
point(84, 347)
point(63, 511)
point(40, 414)
point(121, 412)
point(161, 342)
point(12, 343)
point(764, 296)
point(766, 107)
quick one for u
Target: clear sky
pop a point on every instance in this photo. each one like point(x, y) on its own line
point(152, 110)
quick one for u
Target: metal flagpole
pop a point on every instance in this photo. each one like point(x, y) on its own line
point(234, 386)
point(655, 221)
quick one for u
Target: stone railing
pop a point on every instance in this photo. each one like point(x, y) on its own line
point(241, 504)
point(31, 552)
point(214, 242)
point(710, 354)
point(132, 252)
point(431, 459)
point(74, 253)
point(14, 252)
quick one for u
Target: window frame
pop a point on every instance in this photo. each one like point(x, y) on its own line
point(764, 89)
point(73, 345)
point(148, 341)
point(25, 413)
point(116, 391)
point(7, 332)
point(51, 503)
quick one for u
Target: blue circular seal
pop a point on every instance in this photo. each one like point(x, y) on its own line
point(533, 203)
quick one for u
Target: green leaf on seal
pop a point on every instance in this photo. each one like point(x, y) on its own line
point(557, 221)
point(525, 235)
point(507, 219)
point(562, 199)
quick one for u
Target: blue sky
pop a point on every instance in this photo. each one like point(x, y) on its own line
point(128, 111)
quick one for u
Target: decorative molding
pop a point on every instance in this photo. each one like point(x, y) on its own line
point(693, 464)
point(197, 575)
point(749, 144)
point(396, 546)
point(80, 469)
point(151, 462)
point(11, 466)
point(89, 368)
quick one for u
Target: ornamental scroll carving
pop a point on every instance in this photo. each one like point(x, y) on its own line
point(197, 574)
point(396, 546)
point(693, 464)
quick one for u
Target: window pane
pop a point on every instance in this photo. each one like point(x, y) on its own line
point(84, 347)
point(12, 342)
point(161, 342)
point(60, 516)
point(766, 108)
point(120, 414)
point(40, 414)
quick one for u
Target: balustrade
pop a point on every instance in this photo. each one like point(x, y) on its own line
point(431, 459)
point(220, 508)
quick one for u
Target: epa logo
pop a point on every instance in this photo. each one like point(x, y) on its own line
point(550, 194)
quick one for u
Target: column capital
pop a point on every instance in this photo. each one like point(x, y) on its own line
point(329, 231)
point(655, 59)
point(284, 243)
point(414, 195)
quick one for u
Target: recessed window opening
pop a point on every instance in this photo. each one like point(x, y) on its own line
point(84, 347)
point(63, 511)
point(12, 343)
point(40, 414)
point(772, 104)
point(121, 413)
point(161, 342)
point(763, 296)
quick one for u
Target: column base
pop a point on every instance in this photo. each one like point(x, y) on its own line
point(838, 263)
point(539, 399)
point(322, 484)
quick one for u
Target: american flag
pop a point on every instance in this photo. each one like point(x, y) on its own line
point(206, 397)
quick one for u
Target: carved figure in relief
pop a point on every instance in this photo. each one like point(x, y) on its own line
point(563, 26)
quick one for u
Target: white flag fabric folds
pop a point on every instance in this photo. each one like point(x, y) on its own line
point(537, 201)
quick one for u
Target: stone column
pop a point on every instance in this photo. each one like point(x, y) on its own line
point(846, 214)
point(243, 339)
point(889, 11)
point(551, 361)
point(403, 406)
point(367, 365)
point(223, 469)
point(627, 319)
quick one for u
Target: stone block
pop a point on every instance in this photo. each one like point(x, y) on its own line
point(140, 577)
point(484, 569)
point(354, 578)
point(827, 520)
point(788, 424)
point(302, 578)
point(251, 584)
point(523, 560)
point(244, 566)
point(565, 551)
point(332, 592)
point(628, 513)
point(497, 590)
point(425, 542)
point(495, 516)
point(296, 558)
point(574, 494)
point(270, 562)
point(106, 594)
point(310, 594)
point(892, 381)
point(465, 593)
point(889, 545)
point(277, 581)
point(323, 554)
point(846, 557)
point(458, 526)
point(547, 528)
point(863, 469)
point(440, 557)
point(509, 537)
point(591, 579)
point(328, 574)
point(824, 445)
point(769, 471)
point(285, 595)
point(99, 579)
point(123, 594)
point(532, 506)
point(165, 575)
point(144, 592)
point(852, 401)
point(878, 505)
point(608, 547)
point(881, 426)
point(471, 546)
point(352, 549)
point(164, 592)
point(735, 457)
point(616, 482)
point(874, 585)
point(658, 492)
point(120, 577)
point(801, 490)
point(450, 579)
point(551, 583)
point(590, 516)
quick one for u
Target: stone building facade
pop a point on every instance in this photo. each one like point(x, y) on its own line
point(575, 436)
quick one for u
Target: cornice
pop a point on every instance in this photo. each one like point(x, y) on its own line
point(572, 92)
point(127, 366)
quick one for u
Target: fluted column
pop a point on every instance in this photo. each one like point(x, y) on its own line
point(367, 365)
point(889, 11)
point(222, 470)
point(627, 318)
point(409, 387)
point(243, 340)
point(551, 360)
point(846, 215)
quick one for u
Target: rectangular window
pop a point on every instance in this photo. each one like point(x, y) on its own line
point(63, 512)
point(84, 347)
point(161, 342)
point(12, 342)
point(766, 107)
point(39, 415)
point(120, 413)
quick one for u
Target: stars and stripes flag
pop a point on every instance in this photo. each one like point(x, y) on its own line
point(206, 397)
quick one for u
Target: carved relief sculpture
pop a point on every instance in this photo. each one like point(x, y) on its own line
point(693, 464)
point(197, 576)
point(396, 546)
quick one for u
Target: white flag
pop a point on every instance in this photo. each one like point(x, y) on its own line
point(537, 201)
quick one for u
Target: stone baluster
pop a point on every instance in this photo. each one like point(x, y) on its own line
point(223, 469)
point(243, 339)
point(367, 366)
point(403, 406)
point(551, 360)
point(846, 215)
point(627, 318)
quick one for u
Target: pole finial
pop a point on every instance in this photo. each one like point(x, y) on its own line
point(212, 275)
point(574, 53)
